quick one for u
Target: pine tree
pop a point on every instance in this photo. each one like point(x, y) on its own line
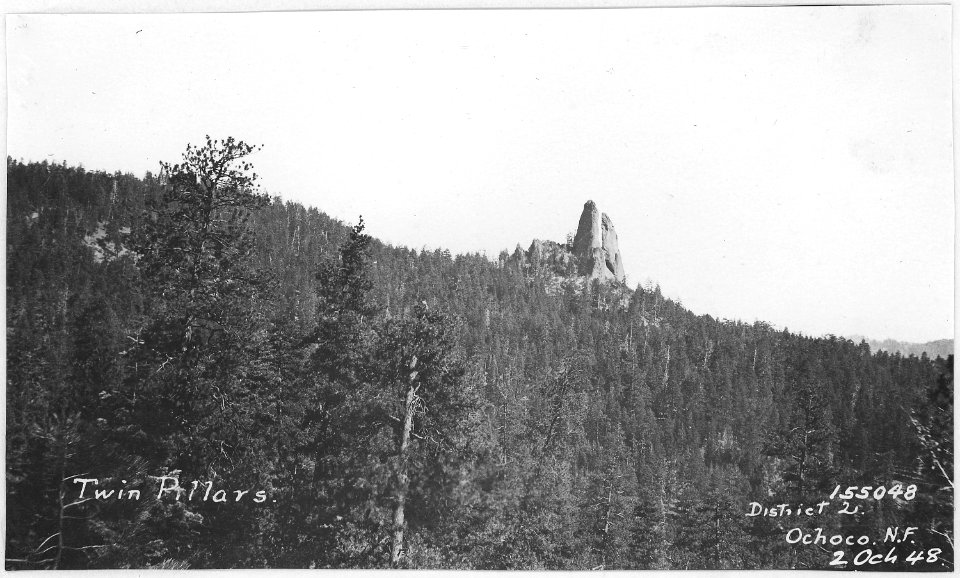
point(198, 386)
point(425, 403)
point(334, 500)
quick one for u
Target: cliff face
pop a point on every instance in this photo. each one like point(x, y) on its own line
point(611, 249)
point(595, 252)
point(589, 235)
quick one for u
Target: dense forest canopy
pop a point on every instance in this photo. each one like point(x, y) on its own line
point(322, 399)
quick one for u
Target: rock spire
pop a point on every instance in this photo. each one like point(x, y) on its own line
point(595, 246)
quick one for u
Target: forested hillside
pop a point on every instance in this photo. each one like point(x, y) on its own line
point(404, 408)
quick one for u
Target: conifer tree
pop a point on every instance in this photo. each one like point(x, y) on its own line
point(424, 403)
point(197, 389)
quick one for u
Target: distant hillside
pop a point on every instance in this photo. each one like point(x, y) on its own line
point(933, 349)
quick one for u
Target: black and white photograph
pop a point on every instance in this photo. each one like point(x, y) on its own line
point(479, 287)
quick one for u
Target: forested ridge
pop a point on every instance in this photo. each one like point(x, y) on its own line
point(402, 408)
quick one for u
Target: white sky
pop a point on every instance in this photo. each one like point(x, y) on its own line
point(792, 165)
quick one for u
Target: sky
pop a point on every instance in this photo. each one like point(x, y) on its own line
point(792, 165)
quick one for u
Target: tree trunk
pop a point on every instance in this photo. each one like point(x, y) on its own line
point(606, 527)
point(666, 368)
point(402, 480)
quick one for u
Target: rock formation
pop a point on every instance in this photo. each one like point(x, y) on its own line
point(611, 249)
point(595, 252)
point(595, 246)
point(550, 255)
point(588, 235)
